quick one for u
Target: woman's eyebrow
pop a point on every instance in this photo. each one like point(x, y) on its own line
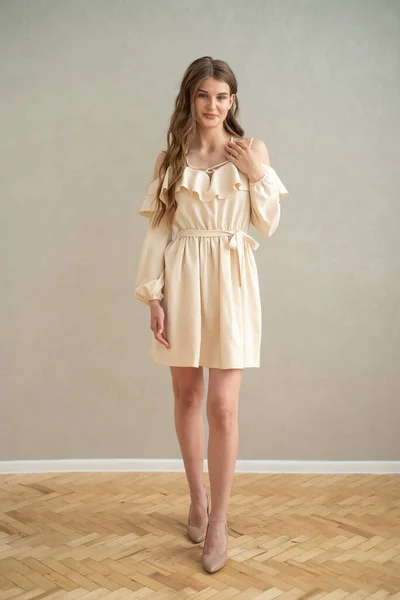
point(220, 94)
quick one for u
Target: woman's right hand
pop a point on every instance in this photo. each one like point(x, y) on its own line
point(157, 322)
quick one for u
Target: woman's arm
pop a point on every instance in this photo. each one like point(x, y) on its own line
point(150, 274)
point(265, 194)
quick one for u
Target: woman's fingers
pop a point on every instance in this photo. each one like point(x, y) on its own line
point(158, 330)
point(160, 337)
point(158, 334)
point(239, 146)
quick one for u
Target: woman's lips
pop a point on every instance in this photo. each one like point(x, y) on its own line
point(210, 116)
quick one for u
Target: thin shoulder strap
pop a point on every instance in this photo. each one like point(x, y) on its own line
point(251, 141)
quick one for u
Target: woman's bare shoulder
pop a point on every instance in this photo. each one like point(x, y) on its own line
point(260, 148)
point(159, 168)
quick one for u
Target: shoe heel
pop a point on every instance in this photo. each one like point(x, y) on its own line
point(197, 534)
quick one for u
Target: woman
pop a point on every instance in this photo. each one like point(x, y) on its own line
point(202, 284)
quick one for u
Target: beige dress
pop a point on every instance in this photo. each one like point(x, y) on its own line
point(205, 271)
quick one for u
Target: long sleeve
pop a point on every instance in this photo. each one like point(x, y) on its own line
point(265, 196)
point(150, 274)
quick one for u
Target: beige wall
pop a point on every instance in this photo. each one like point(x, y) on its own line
point(87, 89)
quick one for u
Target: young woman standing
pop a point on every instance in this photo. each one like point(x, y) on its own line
point(202, 285)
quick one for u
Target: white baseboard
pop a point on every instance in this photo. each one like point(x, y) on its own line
point(132, 465)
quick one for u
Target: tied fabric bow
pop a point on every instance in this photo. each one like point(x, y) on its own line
point(236, 242)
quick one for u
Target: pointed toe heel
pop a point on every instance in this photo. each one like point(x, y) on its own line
point(213, 562)
point(197, 534)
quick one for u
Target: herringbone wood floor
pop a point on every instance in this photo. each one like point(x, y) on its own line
point(123, 535)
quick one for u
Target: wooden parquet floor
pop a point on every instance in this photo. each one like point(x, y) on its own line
point(123, 535)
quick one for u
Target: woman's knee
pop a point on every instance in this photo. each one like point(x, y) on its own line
point(222, 411)
point(188, 386)
point(223, 397)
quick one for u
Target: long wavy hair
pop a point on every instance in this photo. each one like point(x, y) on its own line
point(183, 128)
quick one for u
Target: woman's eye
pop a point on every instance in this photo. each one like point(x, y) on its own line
point(219, 97)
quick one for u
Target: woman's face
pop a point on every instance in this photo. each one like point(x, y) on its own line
point(212, 98)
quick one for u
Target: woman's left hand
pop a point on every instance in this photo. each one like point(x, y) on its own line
point(244, 159)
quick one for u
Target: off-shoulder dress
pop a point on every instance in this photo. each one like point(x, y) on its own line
point(204, 271)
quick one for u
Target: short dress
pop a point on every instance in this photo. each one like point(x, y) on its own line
point(204, 271)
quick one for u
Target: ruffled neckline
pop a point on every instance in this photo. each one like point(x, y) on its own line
point(223, 183)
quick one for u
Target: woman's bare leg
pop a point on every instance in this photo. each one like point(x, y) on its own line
point(222, 415)
point(188, 388)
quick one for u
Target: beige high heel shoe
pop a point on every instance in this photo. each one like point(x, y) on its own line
point(213, 562)
point(197, 534)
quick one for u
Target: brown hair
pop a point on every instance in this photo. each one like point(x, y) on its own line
point(183, 126)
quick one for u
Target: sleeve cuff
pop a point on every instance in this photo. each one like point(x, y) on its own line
point(151, 290)
point(270, 178)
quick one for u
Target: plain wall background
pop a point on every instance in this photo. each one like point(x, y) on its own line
point(87, 90)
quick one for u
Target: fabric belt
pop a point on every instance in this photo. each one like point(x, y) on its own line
point(236, 242)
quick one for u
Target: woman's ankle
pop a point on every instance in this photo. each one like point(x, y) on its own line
point(217, 520)
point(198, 493)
